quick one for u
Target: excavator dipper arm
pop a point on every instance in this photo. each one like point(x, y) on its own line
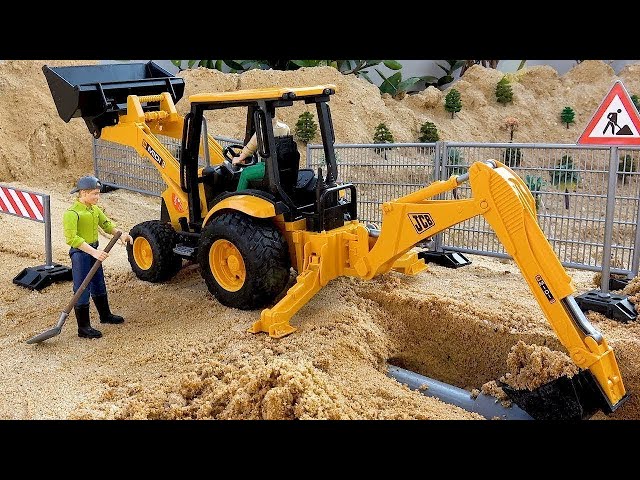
point(508, 206)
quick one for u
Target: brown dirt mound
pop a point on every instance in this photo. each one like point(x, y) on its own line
point(531, 366)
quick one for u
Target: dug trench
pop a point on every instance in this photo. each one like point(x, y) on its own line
point(464, 342)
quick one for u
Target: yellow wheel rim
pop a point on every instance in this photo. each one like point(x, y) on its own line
point(142, 253)
point(227, 265)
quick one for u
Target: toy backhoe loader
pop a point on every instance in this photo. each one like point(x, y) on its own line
point(246, 241)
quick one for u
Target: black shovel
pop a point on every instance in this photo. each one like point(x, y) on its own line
point(52, 332)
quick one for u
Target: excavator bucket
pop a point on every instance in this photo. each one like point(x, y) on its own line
point(98, 93)
point(575, 398)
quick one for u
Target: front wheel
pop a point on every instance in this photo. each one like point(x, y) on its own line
point(151, 254)
point(244, 260)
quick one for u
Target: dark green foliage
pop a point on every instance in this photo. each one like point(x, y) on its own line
point(455, 165)
point(306, 127)
point(636, 101)
point(395, 86)
point(564, 176)
point(382, 134)
point(429, 133)
point(535, 184)
point(449, 70)
point(626, 165)
point(504, 92)
point(567, 115)
point(512, 157)
point(452, 102)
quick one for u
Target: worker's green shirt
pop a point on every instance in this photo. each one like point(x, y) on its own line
point(81, 222)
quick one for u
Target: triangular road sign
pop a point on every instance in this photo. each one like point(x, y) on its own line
point(616, 122)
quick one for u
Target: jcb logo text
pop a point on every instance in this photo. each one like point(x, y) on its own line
point(421, 221)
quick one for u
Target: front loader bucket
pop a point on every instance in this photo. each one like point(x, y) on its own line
point(98, 93)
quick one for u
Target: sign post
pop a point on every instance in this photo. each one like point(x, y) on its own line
point(37, 207)
point(616, 123)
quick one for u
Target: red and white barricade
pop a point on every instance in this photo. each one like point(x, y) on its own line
point(34, 206)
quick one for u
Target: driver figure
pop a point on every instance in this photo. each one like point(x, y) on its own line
point(256, 172)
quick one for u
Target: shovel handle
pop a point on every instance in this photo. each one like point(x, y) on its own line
point(90, 275)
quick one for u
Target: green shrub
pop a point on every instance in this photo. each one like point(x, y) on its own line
point(504, 92)
point(382, 134)
point(567, 115)
point(306, 127)
point(429, 133)
point(452, 102)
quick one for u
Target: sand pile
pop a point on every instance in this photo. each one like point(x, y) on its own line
point(180, 354)
point(531, 366)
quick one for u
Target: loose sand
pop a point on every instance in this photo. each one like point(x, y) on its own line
point(181, 354)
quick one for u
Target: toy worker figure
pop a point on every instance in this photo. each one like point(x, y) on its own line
point(256, 172)
point(81, 222)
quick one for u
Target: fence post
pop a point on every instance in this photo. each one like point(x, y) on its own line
point(47, 232)
point(608, 222)
point(635, 263)
point(438, 161)
point(308, 155)
point(95, 157)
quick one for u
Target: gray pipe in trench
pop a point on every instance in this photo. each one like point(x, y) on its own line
point(484, 405)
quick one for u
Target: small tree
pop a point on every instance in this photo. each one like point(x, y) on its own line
point(504, 92)
point(382, 134)
point(535, 184)
point(511, 124)
point(429, 133)
point(636, 101)
point(452, 102)
point(306, 127)
point(567, 115)
point(512, 157)
point(564, 176)
point(626, 166)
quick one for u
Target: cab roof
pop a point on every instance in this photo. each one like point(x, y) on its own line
point(274, 93)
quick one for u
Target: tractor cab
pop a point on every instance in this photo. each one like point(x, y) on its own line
point(296, 193)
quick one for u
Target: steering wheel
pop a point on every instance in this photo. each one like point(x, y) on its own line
point(229, 152)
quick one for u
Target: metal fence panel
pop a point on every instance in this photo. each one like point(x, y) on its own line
point(380, 174)
point(120, 166)
point(570, 184)
point(575, 186)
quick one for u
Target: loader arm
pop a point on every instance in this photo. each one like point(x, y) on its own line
point(508, 206)
point(139, 129)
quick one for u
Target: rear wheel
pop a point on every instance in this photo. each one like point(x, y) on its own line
point(244, 260)
point(151, 255)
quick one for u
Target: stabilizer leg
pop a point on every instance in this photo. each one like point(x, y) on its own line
point(409, 264)
point(275, 321)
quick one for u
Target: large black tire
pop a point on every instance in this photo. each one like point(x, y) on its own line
point(160, 262)
point(264, 253)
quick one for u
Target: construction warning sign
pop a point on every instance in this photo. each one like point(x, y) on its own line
point(616, 122)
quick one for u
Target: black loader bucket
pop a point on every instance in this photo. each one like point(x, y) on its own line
point(98, 93)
